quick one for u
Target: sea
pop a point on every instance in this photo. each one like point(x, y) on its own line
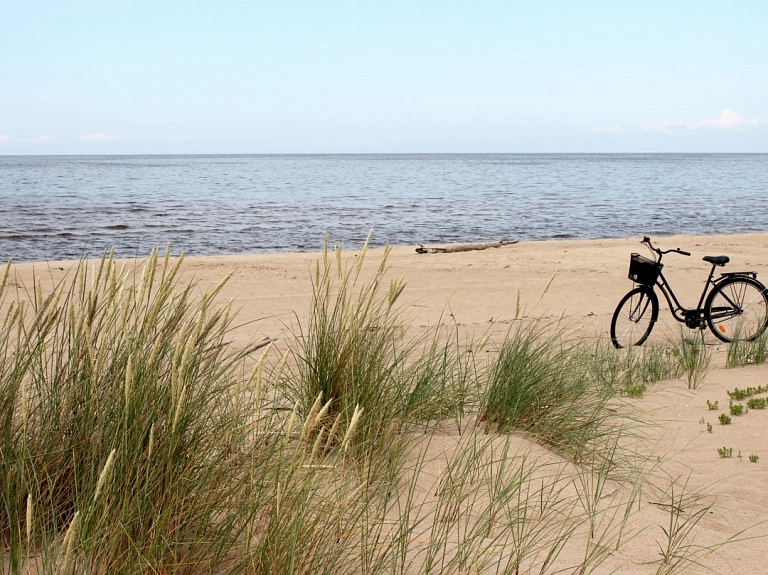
point(68, 207)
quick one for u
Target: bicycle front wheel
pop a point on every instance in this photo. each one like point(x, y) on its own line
point(634, 317)
point(737, 309)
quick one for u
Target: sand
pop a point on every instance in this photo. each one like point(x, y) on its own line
point(478, 291)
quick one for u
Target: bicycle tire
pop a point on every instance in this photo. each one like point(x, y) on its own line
point(632, 321)
point(737, 308)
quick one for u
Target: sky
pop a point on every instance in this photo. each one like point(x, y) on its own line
point(392, 76)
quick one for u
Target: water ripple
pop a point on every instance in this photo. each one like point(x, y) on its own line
point(64, 207)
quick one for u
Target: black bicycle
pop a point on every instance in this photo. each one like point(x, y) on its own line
point(736, 306)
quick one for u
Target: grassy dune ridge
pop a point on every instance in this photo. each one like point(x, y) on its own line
point(136, 438)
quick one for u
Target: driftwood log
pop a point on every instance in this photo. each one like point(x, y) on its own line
point(465, 248)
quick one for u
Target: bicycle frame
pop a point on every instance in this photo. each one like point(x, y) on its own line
point(693, 317)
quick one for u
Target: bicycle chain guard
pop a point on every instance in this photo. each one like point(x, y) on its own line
point(694, 320)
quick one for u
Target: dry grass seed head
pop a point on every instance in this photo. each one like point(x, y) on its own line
point(69, 540)
point(29, 517)
point(309, 422)
point(351, 429)
point(104, 474)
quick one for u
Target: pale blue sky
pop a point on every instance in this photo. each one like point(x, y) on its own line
point(136, 76)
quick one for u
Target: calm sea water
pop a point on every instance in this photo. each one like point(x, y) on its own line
point(69, 207)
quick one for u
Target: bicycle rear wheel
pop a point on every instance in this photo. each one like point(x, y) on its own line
point(634, 317)
point(737, 309)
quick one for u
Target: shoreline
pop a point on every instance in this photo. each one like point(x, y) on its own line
point(398, 247)
point(475, 289)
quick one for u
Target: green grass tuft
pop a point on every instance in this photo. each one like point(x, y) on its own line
point(693, 356)
point(741, 352)
point(544, 384)
point(116, 384)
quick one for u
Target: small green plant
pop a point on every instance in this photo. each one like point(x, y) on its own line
point(713, 406)
point(739, 394)
point(709, 428)
point(724, 419)
point(753, 458)
point(736, 408)
point(757, 403)
point(725, 452)
point(635, 390)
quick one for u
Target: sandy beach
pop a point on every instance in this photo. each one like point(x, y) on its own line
point(584, 280)
point(478, 289)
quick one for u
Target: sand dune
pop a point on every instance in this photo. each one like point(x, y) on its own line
point(478, 290)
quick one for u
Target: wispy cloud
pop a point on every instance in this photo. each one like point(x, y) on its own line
point(98, 137)
point(728, 119)
point(5, 139)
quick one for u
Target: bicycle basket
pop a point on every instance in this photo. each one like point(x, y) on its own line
point(643, 271)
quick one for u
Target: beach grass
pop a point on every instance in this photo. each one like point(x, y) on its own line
point(693, 356)
point(747, 352)
point(630, 371)
point(355, 360)
point(136, 438)
point(121, 406)
point(556, 387)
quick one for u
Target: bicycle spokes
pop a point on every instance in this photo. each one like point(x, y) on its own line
point(738, 309)
point(638, 310)
point(634, 318)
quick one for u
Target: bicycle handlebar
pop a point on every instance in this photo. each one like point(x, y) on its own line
point(647, 241)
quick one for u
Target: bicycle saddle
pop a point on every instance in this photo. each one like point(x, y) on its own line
point(717, 260)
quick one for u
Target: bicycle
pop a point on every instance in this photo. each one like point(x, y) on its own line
point(735, 304)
